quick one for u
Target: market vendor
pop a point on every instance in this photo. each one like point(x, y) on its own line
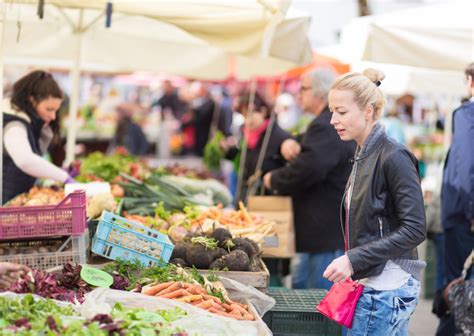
point(10, 273)
point(258, 123)
point(29, 125)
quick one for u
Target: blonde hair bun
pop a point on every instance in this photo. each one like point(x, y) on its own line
point(374, 75)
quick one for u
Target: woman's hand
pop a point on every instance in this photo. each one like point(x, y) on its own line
point(10, 273)
point(339, 269)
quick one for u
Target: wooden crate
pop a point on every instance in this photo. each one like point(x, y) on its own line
point(279, 210)
point(258, 280)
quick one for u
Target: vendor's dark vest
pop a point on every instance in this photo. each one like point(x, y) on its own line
point(16, 181)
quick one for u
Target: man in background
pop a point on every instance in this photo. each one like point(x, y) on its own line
point(315, 178)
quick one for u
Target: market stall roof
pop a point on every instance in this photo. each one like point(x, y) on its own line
point(198, 39)
point(180, 37)
point(437, 36)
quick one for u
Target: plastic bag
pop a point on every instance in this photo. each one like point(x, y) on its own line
point(240, 292)
point(198, 320)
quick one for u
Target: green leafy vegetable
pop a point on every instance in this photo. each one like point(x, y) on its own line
point(161, 212)
point(105, 167)
point(213, 153)
point(208, 243)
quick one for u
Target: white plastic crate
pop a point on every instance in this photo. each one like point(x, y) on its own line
point(71, 249)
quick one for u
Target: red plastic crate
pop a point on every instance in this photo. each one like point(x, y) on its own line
point(64, 219)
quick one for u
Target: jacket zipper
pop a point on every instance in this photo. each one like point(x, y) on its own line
point(349, 202)
point(380, 226)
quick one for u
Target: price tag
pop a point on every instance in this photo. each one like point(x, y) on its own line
point(96, 277)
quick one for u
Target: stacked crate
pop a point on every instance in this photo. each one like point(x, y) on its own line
point(45, 236)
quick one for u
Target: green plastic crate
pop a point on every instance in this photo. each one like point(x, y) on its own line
point(295, 313)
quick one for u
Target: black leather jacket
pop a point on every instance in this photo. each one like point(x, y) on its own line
point(386, 214)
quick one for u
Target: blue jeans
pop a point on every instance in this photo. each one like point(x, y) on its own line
point(458, 241)
point(387, 312)
point(309, 269)
point(438, 240)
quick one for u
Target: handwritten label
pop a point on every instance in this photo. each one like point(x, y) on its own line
point(96, 277)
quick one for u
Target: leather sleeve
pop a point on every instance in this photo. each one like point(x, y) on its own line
point(404, 186)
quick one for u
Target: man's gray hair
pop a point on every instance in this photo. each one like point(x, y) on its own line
point(321, 81)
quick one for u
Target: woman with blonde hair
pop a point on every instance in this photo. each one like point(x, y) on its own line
point(384, 211)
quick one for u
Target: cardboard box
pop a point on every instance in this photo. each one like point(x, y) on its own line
point(279, 210)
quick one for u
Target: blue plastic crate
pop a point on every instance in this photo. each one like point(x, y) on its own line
point(117, 237)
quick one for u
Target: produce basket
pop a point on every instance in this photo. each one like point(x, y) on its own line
point(295, 313)
point(117, 237)
point(48, 253)
point(258, 280)
point(64, 219)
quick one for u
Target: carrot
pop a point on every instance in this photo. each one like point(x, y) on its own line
point(218, 312)
point(194, 289)
point(152, 290)
point(172, 288)
point(226, 221)
point(213, 298)
point(204, 305)
point(194, 303)
point(238, 303)
point(239, 309)
point(190, 298)
point(226, 306)
point(247, 316)
point(176, 294)
point(218, 306)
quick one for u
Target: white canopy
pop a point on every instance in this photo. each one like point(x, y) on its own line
point(439, 36)
point(187, 38)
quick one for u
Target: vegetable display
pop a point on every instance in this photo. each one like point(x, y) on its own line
point(168, 282)
point(218, 251)
point(27, 316)
point(38, 196)
point(142, 198)
point(176, 283)
point(196, 219)
point(100, 167)
point(67, 286)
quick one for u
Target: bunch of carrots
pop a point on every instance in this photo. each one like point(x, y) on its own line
point(196, 295)
point(239, 218)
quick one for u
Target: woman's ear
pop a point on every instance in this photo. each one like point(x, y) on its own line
point(369, 113)
point(32, 101)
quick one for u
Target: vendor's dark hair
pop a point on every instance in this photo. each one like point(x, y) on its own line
point(259, 103)
point(470, 70)
point(40, 85)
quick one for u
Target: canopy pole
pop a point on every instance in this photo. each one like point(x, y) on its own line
point(74, 102)
point(2, 21)
point(255, 178)
point(243, 153)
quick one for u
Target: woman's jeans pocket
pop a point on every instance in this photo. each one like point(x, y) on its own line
point(405, 301)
